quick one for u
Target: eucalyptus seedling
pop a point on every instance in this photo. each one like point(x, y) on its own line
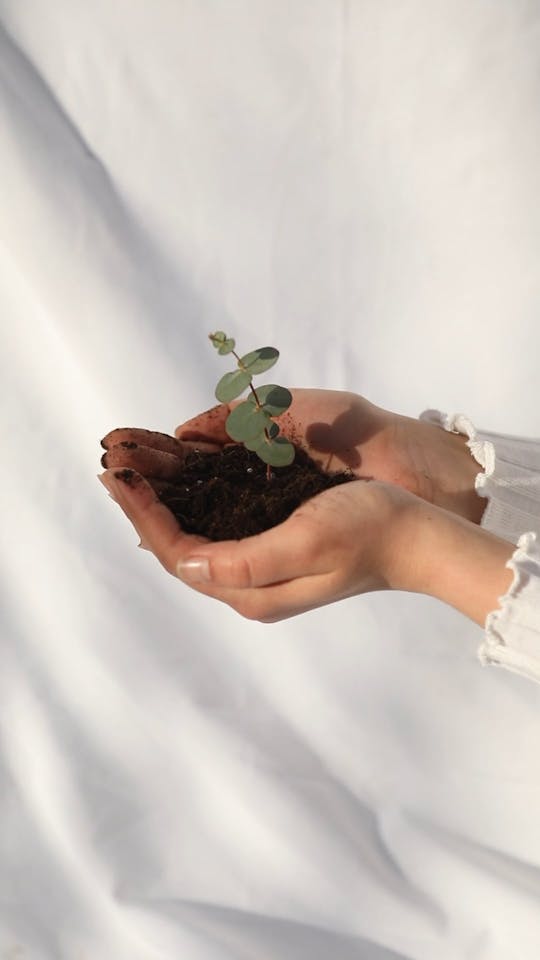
point(251, 422)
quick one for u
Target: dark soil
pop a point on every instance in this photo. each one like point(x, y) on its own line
point(227, 496)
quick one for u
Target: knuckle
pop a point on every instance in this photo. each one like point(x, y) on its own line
point(240, 573)
point(250, 608)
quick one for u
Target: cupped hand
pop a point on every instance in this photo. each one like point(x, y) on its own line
point(348, 540)
point(344, 430)
point(338, 430)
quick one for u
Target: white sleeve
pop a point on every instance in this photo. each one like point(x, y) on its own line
point(511, 483)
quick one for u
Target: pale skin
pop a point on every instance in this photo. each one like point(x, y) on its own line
point(414, 526)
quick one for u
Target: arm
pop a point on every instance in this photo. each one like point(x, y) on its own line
point(493, 582)
point(455, 561)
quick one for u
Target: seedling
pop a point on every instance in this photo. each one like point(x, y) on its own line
point(251, 422)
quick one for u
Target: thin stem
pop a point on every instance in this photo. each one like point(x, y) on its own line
point(251, 387)
point(258, 402)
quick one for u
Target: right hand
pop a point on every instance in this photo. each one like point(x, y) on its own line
point(351, 539)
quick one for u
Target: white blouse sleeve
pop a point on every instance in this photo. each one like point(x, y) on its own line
point(511, 483)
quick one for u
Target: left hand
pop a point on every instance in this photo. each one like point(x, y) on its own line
point(349, 540)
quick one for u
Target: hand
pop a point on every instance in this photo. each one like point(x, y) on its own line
point(339, 430)
point(344, 430)
point(348, 540)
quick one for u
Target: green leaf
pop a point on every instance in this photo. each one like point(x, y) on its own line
point(261, 440)
point(227, 346)
point(259, 360)
point(222, 342)
point(278, 452)
point(232, 385)
point(273, 399)
point(255, 444)
point(272, 429)
point(246, 422)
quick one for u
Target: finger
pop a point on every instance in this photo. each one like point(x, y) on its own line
point(283, 553)
point(286, 552)
point(153, 521)
point(148, 438)
point(276, 602)
point(151, 439)
point(167, 487)
point(208, 426)
point(149, 461)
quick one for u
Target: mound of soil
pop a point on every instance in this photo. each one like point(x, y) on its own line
point(227, 495)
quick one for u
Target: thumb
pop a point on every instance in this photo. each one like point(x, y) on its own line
point(208, 426)
point(285, 552)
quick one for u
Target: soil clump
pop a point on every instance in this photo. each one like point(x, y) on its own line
point(227, 495)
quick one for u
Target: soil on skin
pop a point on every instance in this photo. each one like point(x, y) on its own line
point(227, 496)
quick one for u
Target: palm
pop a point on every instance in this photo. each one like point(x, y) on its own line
point(340, 431)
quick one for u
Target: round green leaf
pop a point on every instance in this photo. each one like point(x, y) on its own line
point(259, 360)
point(272, 430)
point(232, 385)
point(273, 399)
point(222, 342)
point(246, 422)
point(262, 440)
point(254, 444)
point(227, 346)
point(278, 452)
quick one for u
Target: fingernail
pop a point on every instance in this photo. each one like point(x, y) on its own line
point(108, 483)
point(194, 570)
point(143, 546)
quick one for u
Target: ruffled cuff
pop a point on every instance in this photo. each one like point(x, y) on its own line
point(511, 483)
point(512, 633)
point(510, 479)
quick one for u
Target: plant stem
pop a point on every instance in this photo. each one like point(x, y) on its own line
point(251, 387)
point(258, 402)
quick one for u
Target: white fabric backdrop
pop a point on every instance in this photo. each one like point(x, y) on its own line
point(355, 182)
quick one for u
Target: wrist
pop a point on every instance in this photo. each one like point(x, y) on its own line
point(465, 501)
point(454, 471)
point(453, 560)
